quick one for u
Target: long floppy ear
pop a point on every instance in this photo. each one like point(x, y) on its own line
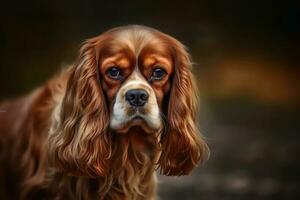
point(182, 145)
point(78, 142)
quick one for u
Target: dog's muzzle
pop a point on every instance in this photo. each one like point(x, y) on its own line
point(135, 105)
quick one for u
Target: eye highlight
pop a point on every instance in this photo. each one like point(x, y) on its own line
point(114, 73)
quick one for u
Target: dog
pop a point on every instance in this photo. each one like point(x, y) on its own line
point(102, 127)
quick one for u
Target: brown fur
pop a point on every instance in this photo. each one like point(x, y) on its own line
point(56, 142)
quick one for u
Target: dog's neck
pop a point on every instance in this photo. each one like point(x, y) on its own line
point(131, 172)
point(133, 164)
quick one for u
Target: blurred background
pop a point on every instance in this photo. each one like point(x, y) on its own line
point(246, 56)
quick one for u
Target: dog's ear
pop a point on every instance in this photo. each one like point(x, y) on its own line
point(78, 141)
point(182, 145)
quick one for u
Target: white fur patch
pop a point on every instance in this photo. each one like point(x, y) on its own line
point(120, 117)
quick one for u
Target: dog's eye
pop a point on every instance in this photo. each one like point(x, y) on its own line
point(158, 74)
point(114, 73)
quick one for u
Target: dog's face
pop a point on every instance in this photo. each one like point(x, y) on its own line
point(128, 79)
point(136, 71)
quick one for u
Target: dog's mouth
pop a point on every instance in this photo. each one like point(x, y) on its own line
point(137, 117)
point(136, 122)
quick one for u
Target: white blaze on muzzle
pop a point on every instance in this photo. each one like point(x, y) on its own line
point(123, 112)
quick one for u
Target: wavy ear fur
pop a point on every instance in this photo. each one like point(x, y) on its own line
point(78, 141)
point(182, 145)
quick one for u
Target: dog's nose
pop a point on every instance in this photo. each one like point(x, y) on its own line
point(136, 97)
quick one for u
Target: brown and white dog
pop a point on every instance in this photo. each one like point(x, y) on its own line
point(101, 128)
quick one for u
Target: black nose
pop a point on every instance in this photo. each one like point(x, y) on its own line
point(136, 97)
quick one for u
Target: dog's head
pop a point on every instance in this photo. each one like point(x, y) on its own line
point(129, 79)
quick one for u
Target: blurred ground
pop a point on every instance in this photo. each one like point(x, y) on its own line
point(255, 153)
point(246, 56)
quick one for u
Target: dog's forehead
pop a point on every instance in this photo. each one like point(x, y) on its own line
point(136, 39)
